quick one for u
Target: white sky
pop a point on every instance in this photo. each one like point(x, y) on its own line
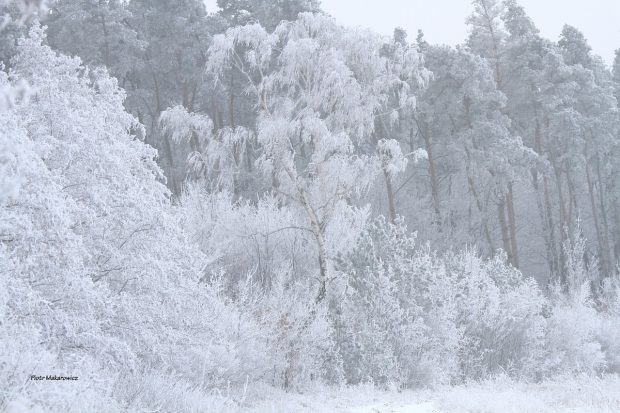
point(443, 21)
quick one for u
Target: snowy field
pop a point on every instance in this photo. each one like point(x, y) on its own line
point(574, 395)
point(570, 395)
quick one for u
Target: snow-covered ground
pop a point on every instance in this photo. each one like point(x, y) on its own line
point(574, 395)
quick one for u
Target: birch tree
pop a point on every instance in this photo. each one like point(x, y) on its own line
point(316, 112)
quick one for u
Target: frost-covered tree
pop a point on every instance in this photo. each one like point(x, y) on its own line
point(393, 126)
point(486, 33)
point(597, 119)
point(316, 110)
point(549, 84)
point(99, 32)
point(90, 244)
point(219, 159)
point(472, 153)
point(267, 13)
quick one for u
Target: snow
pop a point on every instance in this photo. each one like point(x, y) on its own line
point(351, 399)
point(425, 407)
point(501, 395)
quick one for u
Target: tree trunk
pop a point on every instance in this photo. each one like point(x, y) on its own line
point(317, 231)
point(432, 171)
point(545, 225)
point(616, 236)
point(106, 45)
point(607, 269)
point(483, 213)
point(546, 211)
point(388, 179)
point(551, 224)
point(564, 223)
point(231, 101)
point(513, 226)
point(597, 225)
point(390, 195)
point(501, 214)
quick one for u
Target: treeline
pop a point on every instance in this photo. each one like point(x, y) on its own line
point(521, 132)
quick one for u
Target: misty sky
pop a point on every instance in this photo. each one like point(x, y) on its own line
point(443, 20)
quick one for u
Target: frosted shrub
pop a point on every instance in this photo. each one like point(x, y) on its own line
point(300, 336)
point(609, 332)
point(609, 338)
point(278, 336)
point(22, 355)
point(265, 266)
point(161, 391)
point(242, 237)
point(571, 339)
point(574, 322)
point(573, 326)
point(500, 316)
point(392, 313)
point(410, 317)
